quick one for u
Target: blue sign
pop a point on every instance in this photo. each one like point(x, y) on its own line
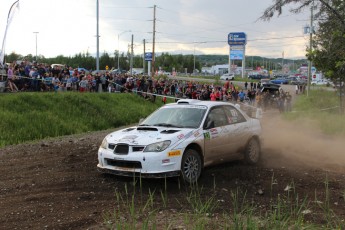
point(236, 54)
point(239, 38)
point(148, 56)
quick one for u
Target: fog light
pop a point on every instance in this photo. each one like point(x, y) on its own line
point(165, 161)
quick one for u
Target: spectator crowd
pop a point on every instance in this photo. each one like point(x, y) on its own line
point(41, 77)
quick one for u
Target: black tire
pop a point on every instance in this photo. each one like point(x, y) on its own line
point(191, 166)
point(252, 152)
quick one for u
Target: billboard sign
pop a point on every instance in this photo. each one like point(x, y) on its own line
point(236, 54)
point(238, 38)
point(148, 56)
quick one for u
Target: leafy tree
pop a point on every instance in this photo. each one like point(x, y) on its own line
point(328, 50)
point(12, 57)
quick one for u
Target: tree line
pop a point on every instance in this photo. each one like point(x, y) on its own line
point(164, 61)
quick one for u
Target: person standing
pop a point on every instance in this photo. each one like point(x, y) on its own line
point(213, 95)
point(11, 78)
point(259, 85)
point(241, 95)
point(83, 84)
point(56, 84)
point(288, 99)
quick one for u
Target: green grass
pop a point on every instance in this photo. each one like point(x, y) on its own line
point(322, 107)
point(199, 209)
point(33, 116)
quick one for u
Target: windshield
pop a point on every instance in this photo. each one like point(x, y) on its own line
point(179, 117)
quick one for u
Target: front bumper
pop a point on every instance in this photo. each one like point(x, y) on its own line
point(139, 174)
point(147, 165)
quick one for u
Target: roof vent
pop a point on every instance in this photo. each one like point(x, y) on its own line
point(187, 101)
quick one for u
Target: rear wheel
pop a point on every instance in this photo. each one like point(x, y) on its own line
point(191, 166)
point(253, 151)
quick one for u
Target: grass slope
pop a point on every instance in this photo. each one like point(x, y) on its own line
point(33, 116)
point(322, 107)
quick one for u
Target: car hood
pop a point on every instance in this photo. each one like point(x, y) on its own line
point(139, 135)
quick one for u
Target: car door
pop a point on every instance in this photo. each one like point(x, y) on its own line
point(237, 130)
point(215, 141)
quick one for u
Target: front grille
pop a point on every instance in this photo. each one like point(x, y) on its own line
point(124, 164)
point(138, 148)
point(121, 149)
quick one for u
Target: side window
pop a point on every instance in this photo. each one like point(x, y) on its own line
point(216, 118)
point(233, 115)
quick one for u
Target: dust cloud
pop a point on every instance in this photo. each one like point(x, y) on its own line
point(300, 144)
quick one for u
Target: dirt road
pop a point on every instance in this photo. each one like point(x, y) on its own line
point(54, 184)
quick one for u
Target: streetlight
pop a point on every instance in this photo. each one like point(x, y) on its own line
point(194, 59)
point(194, 53)
point(36, 44)
point(118, 48)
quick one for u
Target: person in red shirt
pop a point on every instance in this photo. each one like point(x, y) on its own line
point(213, 95)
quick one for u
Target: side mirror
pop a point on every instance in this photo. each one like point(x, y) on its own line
point(209, 125)
point(141, 120)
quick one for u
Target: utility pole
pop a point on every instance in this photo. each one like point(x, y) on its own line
point(144, 71)
point(132, 56)
point(97, 35)
point(194, 59)
point(154, 40)
point(283, 61)
point(310, 46)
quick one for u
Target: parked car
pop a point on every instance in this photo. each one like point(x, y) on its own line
point(258, 76)
point(273, 89)
point(227, 76)
point(180, 139)
point(99, 71)
point(320, 82)
point(58, 65)
point(280, 81)
point(80, 70)
point(118, 71)
point(281, 76)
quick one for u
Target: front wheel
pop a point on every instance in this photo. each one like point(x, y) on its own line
point(191, 166)
point(252, 151)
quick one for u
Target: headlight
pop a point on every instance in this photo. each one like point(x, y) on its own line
point(157, 147)
point(104, 144)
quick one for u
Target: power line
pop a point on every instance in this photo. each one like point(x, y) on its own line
point(225, 41)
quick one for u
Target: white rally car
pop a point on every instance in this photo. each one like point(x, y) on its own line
point(180, 139)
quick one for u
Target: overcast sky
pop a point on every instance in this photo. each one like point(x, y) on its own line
point(68, 27)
